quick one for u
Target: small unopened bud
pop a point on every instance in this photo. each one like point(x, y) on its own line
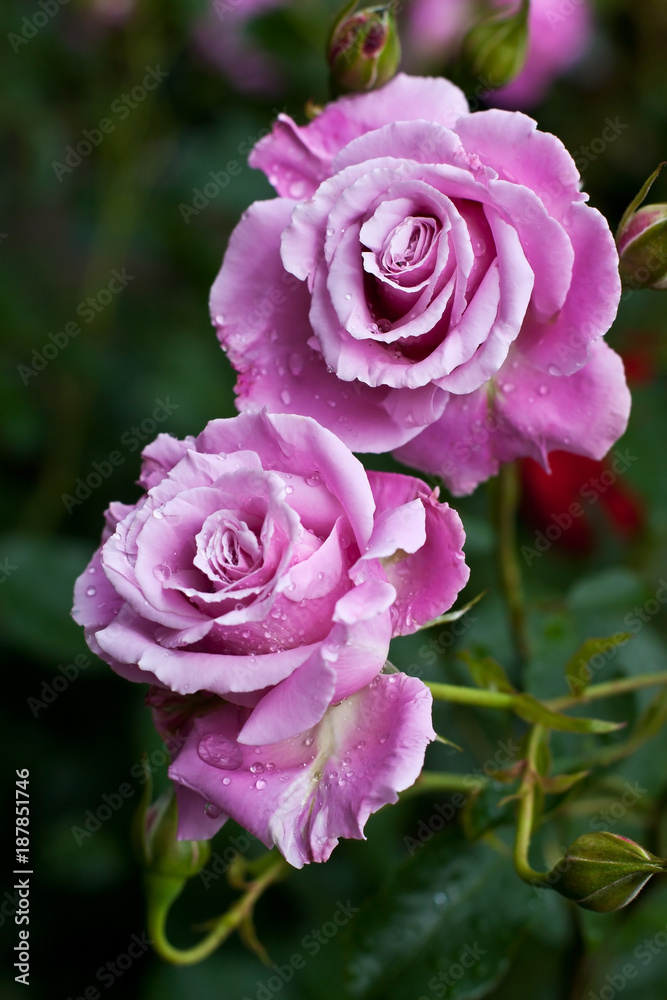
point(162, 853)
point(494, 50)
point(604, 871)
point(364, 50)
point(642, 248)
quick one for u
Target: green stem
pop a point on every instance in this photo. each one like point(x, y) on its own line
point(608, 689)
point(471, 696)
point(444, 781)
point(222, 926)
point(510, 572)
point(526, 814)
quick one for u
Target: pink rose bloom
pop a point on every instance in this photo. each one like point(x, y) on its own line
point(428, 281)
point(265, 567)
point(558, 37)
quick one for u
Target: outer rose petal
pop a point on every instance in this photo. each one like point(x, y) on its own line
point(427, 577)
point(525, 413)
point(302, 794)
point(296, 159)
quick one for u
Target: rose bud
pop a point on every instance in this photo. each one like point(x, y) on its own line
point(642, 246)
point(364, 50)
point(164, 855)
point(604, 871)
point(494, 50)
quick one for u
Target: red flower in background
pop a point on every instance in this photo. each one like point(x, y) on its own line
point(565, 498)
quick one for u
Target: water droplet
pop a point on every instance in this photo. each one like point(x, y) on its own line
point(220, 319)
point(295, 362)
point(348, 296)
point(349, 774)
point(220, 752)
point(289, 489)
point(314, 479)
point(296, 189)
point(212, 811)
point(91, 592)
point(440, 899)
point(360, 745)
point(161, 572)
point(257, 767)
point(91, 569)
point(384, 325)
point(226, 781)
point(508, 387)
point(543, 390)
point(308, 742)
point(157, 513)
point(330, 231)
point(373, 328)
point(341, 782)
point(553, 370)
point(384, 738)
point(285, 397)
point(260, 783)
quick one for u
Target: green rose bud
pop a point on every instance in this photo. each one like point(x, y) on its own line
point(364, 50)
point(604, 871)
point(495, 49)
point(642, 247)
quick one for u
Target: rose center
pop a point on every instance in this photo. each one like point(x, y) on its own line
point(228, 548)
point(409, 244)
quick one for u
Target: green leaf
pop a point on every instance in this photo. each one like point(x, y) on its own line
point(560, 783)
point(577, 670)
point(452, 616)
point(532, 710)
point(486, 672)
point(454, 906)
point(639, 197)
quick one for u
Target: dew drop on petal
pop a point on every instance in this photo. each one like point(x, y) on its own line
point(91, 569)
point(308, 742)
point(285, 397)
point(158, 513)
point(330, 231)
point(508, 387)
point(212, 811)
point(220, 752)
point(360, 745)
point(257, 767)
point(348, 296)
point(553, 370)
point(543, 390)
point(314, 479)
point(226, 781)
point(260, 784)
point(289, 489)
point(91, 592)
point(161, 572)
point(384, 738)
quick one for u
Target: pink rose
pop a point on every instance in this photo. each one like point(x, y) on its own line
point(265, 567)
point(427, 279)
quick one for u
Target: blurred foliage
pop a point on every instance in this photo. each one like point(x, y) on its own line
point(94, 394)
